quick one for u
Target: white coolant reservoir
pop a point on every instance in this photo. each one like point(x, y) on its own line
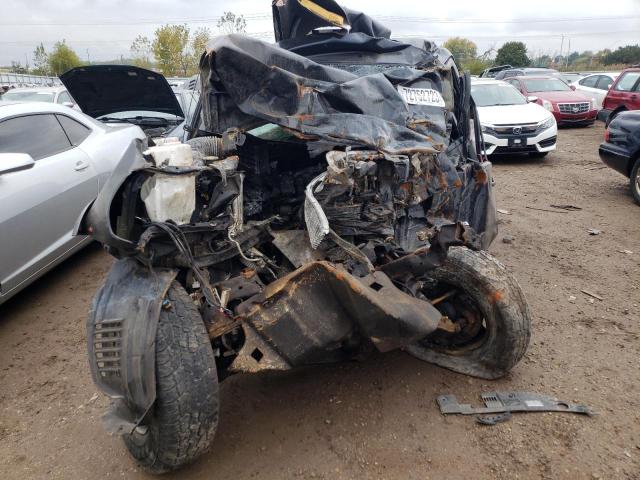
point(170, 197)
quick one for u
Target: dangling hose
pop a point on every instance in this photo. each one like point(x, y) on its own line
point(206, 147)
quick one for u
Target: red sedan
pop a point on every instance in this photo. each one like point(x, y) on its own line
point(568, 106)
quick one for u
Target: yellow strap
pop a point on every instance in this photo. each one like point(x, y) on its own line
point(323, 13)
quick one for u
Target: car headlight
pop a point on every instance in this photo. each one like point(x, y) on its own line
point(593, 104)
point(548, 123)
point(548, 105)
point(486, 128)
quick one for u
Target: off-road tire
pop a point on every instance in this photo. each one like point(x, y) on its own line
point(634, 181)
point(506, 314)
point(183, 420)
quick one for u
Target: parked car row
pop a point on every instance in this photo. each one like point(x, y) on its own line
point(521, 114)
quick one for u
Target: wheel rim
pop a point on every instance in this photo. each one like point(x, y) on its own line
point(465, 313)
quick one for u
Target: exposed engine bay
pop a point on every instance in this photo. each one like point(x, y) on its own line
point(247, 217)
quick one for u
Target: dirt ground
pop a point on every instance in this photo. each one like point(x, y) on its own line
point(379, 419)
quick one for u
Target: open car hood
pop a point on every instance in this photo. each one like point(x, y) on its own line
point(106, 89)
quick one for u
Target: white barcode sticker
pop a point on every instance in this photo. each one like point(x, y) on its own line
point(421, 96)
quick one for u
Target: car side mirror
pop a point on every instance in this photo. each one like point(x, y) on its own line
point(15, 162)
point(68, 104)
point(572, 87)
point(609, 86)
point(532, 99)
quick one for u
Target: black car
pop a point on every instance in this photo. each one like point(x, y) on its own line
point(621, 148)
point(521, 72)
point(493, 71)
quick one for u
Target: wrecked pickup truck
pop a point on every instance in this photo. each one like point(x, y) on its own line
point(331, 203)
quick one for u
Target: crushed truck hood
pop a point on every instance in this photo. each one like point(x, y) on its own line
point(106, 89)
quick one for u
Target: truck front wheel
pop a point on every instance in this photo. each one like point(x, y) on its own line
point(183, 420)
point(488, 319)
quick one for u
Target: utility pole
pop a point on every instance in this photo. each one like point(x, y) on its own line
point(566, 65)
point(88, 58)
point(561, 45)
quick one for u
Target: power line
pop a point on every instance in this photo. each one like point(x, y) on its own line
point(135, 23)
point(105, 42)
point(265, 16)
point(395, 35)
point(493, 21)
point(515, 37)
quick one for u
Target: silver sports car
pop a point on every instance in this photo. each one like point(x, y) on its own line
point(53, 162)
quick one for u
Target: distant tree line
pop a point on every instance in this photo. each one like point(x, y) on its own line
point(467, 58)
point(174, 50)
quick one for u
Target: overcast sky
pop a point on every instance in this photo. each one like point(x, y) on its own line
point(104, 29)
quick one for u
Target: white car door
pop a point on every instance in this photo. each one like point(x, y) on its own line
point(602, 87)
point(588, 86)
point(39, 206)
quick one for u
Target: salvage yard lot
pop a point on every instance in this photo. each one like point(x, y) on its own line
point(378, 419)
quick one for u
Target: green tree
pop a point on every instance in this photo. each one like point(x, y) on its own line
point(462, 49)
point(629, 54)
point(62, 58)
point(475, 66)
point(199, 42)
point(229, 23)
point(513, 53)
point(573, 56)
point(40, 61)
point(142, 52)
point(542, 61)
point(170, 48)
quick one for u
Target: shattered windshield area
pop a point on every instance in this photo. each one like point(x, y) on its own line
point(491, 95)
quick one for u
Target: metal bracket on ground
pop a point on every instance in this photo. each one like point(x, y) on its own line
point(500, 402)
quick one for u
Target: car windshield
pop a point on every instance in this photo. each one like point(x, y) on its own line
point(496, 94)
point(546, 85)
point(34, 96)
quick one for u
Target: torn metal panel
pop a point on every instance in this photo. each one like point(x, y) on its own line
point(311, 314)
point(294, 244)
point(498, 402)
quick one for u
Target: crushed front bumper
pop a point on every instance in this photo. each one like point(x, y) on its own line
point(313, 314)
